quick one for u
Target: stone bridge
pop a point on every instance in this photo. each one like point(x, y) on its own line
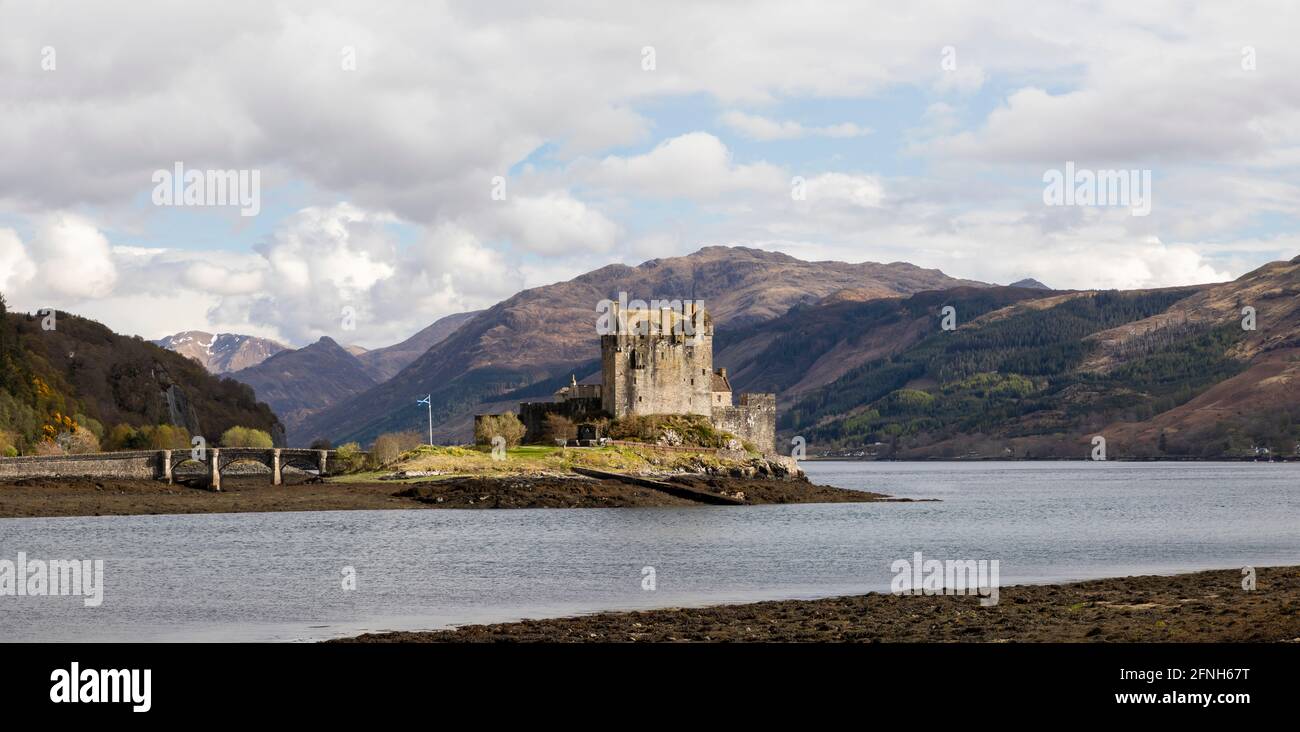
point(162, 464)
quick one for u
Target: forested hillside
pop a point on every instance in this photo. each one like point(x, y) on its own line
point(61, 387)
point(814, 344)
point(1041, 377)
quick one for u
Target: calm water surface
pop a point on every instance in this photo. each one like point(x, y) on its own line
point(245, 577)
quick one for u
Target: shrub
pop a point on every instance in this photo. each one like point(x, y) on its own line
point(558, 427)
point(391, 446)
point(321, 444)
point(912, 399)
point(22, 422)
point(245, 437)
point(410, 440)
point(670, 429)
point(350, 458)
point(78, 442)
point(506, 425)
point(167, 437)
point(47, 447)
point(149, 437)
point(90, 424)
point(124, 437)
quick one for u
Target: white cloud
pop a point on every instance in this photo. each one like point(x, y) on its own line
point(1070, 262)
point(451, 264)
point(329, 259)
point(855, 190)
point(341, 246)
point(293, 288)
point(16, 268)
point(217, 279)
point(154, 315)
point(756, 127)
point(73, 258)
point(1148, 95)
point(554, 223)
point(67, 260)
point(446, 96)
point(964, 79)
point(694, 165)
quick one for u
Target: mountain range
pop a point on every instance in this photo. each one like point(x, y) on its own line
point(296, 383)
point(862, 365)
point(221, 353)
point(858, 355)
point(383, 363)
point(538, 337)
point(299, 382)
point(1030, 283)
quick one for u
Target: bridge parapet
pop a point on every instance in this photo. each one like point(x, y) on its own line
point(161, 464)
point(143, 464)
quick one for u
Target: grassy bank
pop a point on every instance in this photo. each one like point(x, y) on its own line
point(432, 463)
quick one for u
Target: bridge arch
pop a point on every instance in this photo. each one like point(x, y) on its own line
point(228, 456)
point(273, 458)
point(181, 458)
point(308, 461)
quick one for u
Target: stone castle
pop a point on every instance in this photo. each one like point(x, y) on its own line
point(660, 362)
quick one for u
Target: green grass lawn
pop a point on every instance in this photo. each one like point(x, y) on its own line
point(524, 451)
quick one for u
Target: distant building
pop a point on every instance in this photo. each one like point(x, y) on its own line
point(660, 362)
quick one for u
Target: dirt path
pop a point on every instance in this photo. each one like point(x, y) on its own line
point(1203, 606)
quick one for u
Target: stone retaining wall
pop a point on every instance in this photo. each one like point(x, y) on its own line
point(145, 464)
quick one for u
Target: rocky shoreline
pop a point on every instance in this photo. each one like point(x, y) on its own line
point(569, 491)
point(38, 497)
point(1208, 606)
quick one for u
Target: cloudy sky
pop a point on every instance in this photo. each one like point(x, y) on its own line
point(915, 131)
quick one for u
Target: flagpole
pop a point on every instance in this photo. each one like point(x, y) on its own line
point(429, 401)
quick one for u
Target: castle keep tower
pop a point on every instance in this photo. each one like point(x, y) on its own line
point(658, 361)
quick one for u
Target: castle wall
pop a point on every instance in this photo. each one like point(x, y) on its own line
point(752, 420)
point(661, 372)
point(533, 414)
